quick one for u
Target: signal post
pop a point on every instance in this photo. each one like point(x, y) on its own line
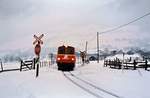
point(37, 51)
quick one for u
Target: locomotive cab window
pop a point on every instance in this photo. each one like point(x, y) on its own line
point(70, 50)
point(66, 50)
point(61, 50)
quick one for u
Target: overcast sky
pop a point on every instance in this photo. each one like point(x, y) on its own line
point(72, 22)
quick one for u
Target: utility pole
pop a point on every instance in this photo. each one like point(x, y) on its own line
point(86, 47)
point(86, 50)
point(51, 56)
point(97, 47)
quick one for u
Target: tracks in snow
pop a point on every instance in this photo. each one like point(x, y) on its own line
point(89, 87)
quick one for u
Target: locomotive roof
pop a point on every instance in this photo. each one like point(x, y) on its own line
point(65, 46)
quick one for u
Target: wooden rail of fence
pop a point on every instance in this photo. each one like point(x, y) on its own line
point(113, 64)
point(126, 65)
point(31, 64)
point(28, 64)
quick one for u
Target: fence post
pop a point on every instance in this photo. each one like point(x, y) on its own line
point(1, 64)
point(104, 63)
point(146, 65)
point(120, 64)
point(134, 63)
point(21, 65)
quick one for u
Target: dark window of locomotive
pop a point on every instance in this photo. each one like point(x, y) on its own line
point(61, 50)
point(70, 50)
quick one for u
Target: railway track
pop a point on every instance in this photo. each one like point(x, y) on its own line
point(89, 87)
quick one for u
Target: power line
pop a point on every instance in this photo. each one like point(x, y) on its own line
point(121, 26)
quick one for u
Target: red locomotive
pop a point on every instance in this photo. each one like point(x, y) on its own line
point(66, 58)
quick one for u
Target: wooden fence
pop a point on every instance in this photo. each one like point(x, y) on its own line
point(126, 65)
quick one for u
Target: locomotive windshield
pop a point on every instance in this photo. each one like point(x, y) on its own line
point(66, 50)
point(70, 50)
point(61, 50)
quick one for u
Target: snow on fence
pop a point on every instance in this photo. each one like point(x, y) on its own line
point(118, 64)
point(113, 63)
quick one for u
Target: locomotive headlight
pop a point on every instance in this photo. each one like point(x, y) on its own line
point(73, 59)
point(58, 59)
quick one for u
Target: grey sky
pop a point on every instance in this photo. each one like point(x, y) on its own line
point(72, 22)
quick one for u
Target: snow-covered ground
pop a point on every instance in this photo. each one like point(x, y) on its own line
point(51, 83)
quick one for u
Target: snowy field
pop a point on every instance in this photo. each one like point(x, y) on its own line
point(101, 82)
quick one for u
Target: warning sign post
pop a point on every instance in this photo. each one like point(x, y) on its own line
point(37, 51)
